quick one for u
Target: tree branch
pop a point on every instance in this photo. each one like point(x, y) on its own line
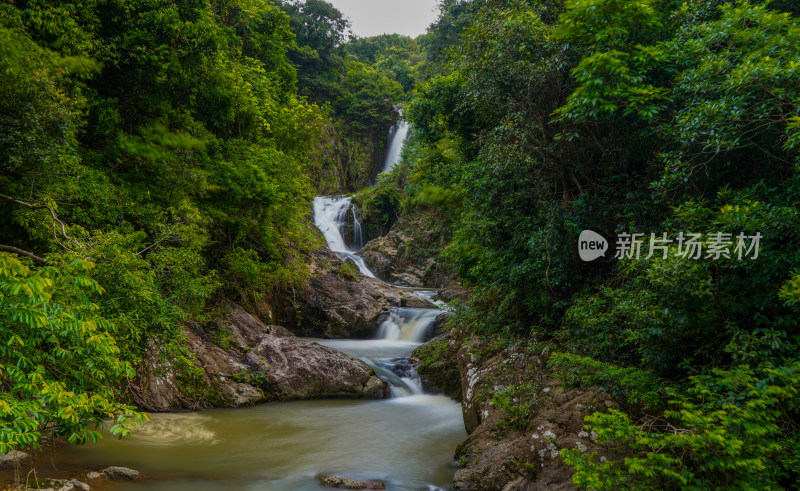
point(31, 255)
point(56, 220)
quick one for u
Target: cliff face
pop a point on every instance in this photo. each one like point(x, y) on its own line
point(258, 363)
point(518, 416)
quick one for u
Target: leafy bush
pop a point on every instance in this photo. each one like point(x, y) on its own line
point(60, 368)
point(735, 429)
point(636, 388)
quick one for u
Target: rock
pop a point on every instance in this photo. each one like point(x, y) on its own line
point(335, 306)
point(12, 458)
point(404, 256)
point(343, 482)
point(440, 323)
point(81, 486)
point(67, 486)
point(517, 459)
point(437, 364)
point(260, 363)
point(95, 475)
point(299, 369)
point(48, 484)
point(122, 473)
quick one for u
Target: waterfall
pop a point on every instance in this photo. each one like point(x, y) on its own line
point(330, 216)
point(397, 138)
point(358, 236)
point(406, 324)
point(403, 380)
point(404, 327)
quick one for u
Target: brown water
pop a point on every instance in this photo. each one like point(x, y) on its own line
point(408, 442)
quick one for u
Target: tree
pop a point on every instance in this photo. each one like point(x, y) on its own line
point(60, 369)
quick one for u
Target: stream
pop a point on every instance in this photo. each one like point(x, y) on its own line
point(407, 441)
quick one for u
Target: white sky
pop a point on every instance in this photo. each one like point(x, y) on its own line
point(373, 17)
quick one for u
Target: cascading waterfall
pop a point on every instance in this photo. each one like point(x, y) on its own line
point(358, 235)
point(398, 137)
point(404, 328)
point(330, 216)
point(406, 325)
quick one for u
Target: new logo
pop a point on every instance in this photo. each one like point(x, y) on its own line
point(591, 245)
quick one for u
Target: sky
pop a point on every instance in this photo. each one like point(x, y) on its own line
point(373, 17)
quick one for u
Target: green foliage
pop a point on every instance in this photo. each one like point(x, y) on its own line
point(168, 143)
point(534, 120)
point(630, 386)
point(368, 96)
point(517, 402)
point(60, 367)
point(392, 53)
point(382, 204)
point(348, 271)
point(734, 429)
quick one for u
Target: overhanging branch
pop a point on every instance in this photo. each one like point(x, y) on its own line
point(16, 250)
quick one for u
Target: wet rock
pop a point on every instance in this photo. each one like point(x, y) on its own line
point(95, 475)
point(404, 256)
point(299, 369)
point(48, 484)
point(332, 305)
point(12, 458)
point(122, 473)
point(79, 485)
point(343, 482)
point(440, 323)
point(437, 363)
point(260, 363)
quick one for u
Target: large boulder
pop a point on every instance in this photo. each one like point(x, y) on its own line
point(13, 458)
point(122, 473)
point(299, 369)
point(408, 254)
point(339, 302)
point(255, 363)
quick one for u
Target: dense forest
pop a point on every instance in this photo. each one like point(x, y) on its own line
point(157, 158)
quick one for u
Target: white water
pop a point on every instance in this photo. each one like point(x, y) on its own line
point(397, 138)
point(429, 294)
point(406, 324)
point(404, 328)
point(330, 216)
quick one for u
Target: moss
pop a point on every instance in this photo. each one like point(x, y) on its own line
point(222, 337)
point(437, 362)
point(347, 271)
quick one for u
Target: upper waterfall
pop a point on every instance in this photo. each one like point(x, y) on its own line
point(397, 138)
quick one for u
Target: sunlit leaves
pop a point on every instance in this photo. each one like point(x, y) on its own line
point(59, 365)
